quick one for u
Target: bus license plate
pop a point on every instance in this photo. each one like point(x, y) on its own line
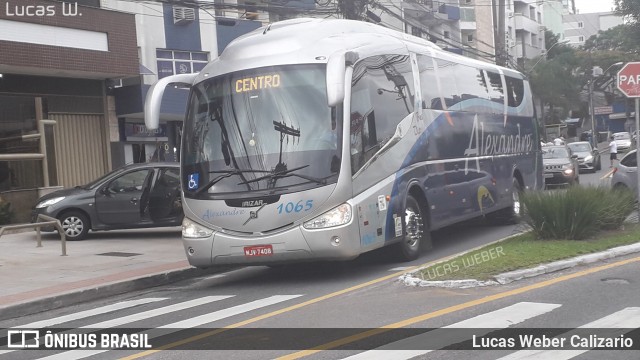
point(548, 176)
point(259, 250)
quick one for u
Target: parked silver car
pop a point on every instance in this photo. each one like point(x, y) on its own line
point(625, 173)
point(588, 157)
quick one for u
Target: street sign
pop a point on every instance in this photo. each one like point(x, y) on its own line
point(603, 110)
point(629, 83)
point(629, 79)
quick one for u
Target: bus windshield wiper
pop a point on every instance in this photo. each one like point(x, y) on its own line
point(275, 175)
point(225, 174)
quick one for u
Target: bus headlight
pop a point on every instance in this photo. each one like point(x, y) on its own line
point(334, 217)
point(192, 230)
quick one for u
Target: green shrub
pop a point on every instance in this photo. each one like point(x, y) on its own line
point(576, 213)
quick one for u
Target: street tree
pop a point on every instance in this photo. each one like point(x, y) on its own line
point(556, 87)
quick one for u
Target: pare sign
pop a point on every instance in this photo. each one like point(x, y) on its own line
point(628, 80)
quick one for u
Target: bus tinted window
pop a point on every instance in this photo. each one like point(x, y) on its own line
point(428, 83)
point(496, 93)
point(470, 83)
point(515, 91)
point(448, 87)
point(382, 95)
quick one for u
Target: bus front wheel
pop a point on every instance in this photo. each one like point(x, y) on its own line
point(416, 233)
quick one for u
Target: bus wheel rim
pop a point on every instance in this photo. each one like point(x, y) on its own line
point(516, 202)
point(413, 221)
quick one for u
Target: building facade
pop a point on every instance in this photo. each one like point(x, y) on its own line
point(580, 27)
point(55, 113)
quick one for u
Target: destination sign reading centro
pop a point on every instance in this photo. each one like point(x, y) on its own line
point(257, 83)
point(629, 79)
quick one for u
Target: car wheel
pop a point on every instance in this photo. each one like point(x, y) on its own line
point(75, 225)
point(416, 231)
point(598, 166)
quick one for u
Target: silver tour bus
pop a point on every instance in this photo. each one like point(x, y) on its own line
point(314, 139)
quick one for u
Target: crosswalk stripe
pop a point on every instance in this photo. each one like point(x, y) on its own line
point(155, 312)
point(189, 323)
point(624, 319)
point(497, 319)
point(84, 314)
point(147, 314)
point(235, 310)
point(88, 313)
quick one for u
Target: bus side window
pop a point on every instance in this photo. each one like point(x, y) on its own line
point(515, 91)
point(428, 83)
point(448, 87)
point(471, 85)
point(496, 93)
point(382, 95)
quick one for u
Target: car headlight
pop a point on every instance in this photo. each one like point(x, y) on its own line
point(588, 158)
point(335, 217)
point(49, 202)
point(193, 230)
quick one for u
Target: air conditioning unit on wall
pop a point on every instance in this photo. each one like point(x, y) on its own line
point(183, 15)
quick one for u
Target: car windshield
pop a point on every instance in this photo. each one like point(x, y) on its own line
point(622, 136)
point(555, 153)
point(583, 147)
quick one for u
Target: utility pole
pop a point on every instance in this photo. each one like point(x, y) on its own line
point(501, 53)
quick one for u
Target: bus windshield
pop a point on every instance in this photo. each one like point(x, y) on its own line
point(266, 130)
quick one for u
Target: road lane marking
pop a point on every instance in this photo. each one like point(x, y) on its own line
point(156, 312)
point(274, 313)
point(357, 287)
point(498, 319)
point(401, 268)
point(185, 324)
point(147, 314)
point(88, 313)
point(628, 318)
point(454, 308)
point(83, 314)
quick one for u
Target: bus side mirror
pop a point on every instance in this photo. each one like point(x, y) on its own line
point(154, 97)
point(335, 79)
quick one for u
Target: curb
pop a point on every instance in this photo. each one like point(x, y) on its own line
point(509, 277)
point(103, 290)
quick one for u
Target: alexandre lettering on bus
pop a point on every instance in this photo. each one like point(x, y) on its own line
point(257, 83)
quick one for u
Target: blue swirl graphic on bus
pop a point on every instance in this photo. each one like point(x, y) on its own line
point(194, 181)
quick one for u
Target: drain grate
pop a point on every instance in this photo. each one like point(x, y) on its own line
point(119, 254)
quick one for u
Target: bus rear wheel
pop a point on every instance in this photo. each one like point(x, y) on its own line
point(512, 214)
point(416, 235)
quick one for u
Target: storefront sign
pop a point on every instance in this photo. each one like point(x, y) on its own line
point(138, 131)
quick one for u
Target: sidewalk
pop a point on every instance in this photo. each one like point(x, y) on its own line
point(106, 263)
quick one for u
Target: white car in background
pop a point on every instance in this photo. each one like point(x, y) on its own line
point(623, 140)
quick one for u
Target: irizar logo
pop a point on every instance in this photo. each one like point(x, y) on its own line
point(252, 203)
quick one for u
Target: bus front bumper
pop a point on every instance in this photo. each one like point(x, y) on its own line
point(293, 245)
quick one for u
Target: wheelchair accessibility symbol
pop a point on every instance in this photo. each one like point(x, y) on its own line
point(193, 181)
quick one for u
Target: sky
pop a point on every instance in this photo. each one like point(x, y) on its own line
point(589, 6)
